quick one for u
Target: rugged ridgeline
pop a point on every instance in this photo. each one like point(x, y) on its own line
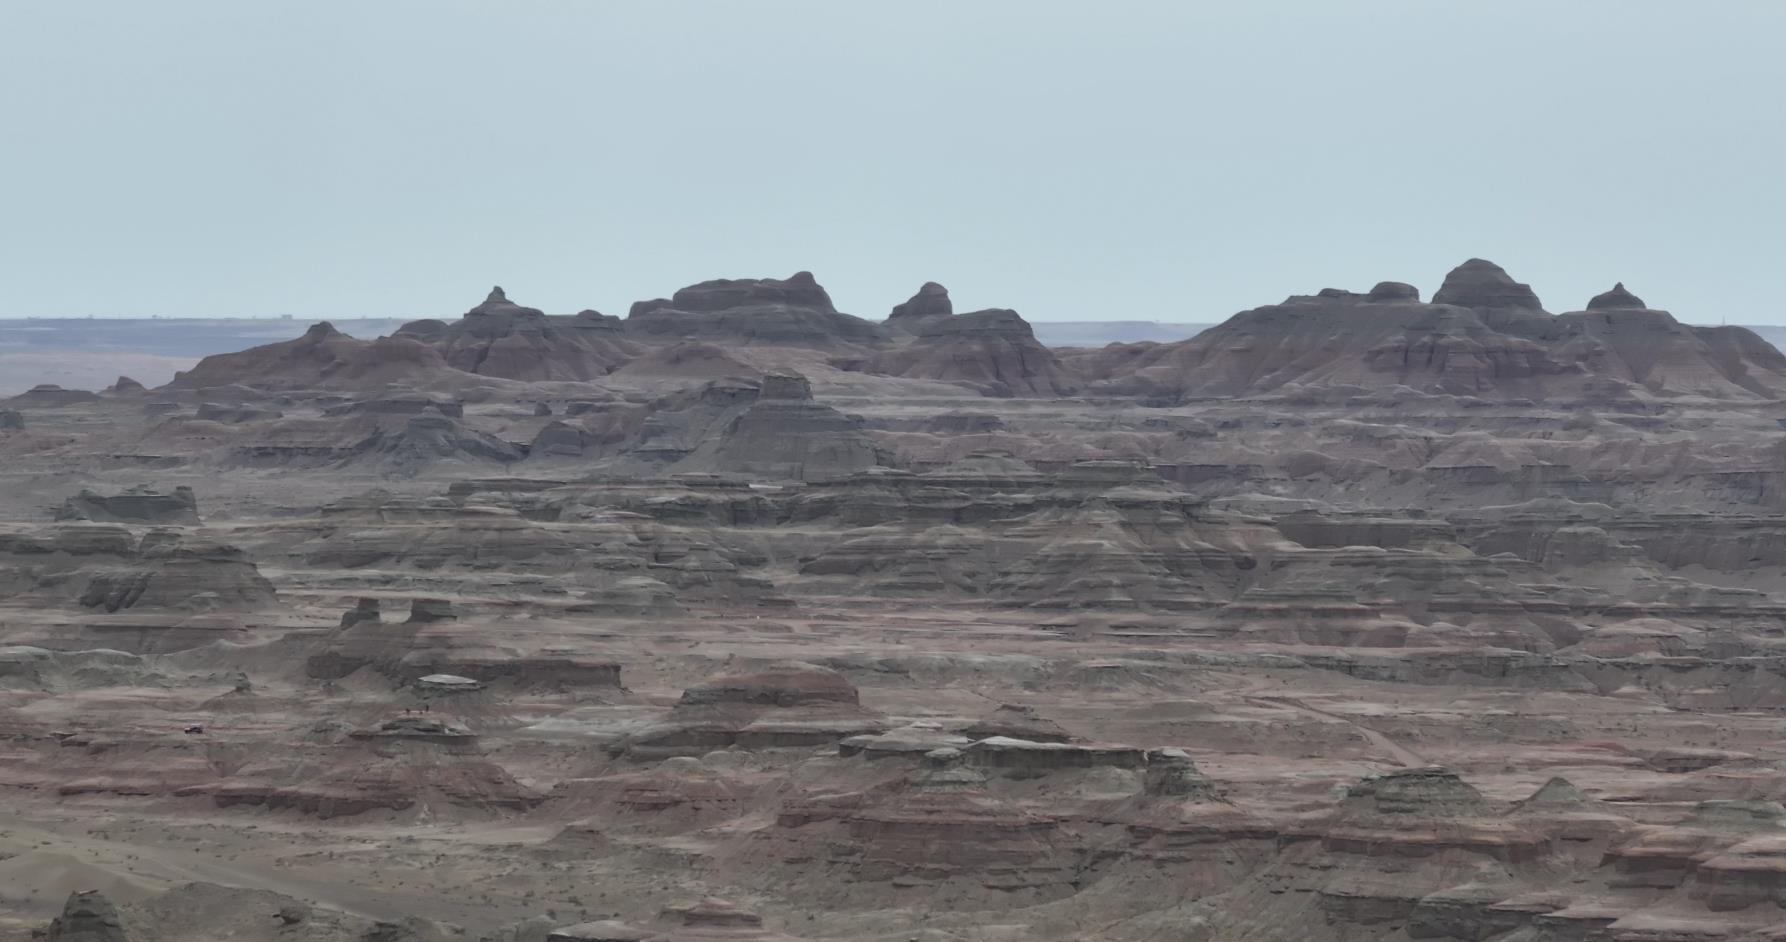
point(693, 335)
point(1358, 617)
point(503, 339)
point(1483, 335)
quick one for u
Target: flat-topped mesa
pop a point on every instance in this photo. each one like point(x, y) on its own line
point(1017, 722)
point(786, 684)
point(717, 913)
point(800, 289)
point(50, 395)
point(992, 322)
point(1481, 284)
point(1616, 299)
point(793, 311)
point(932, 300)
point(1431, 792)
point(787, 704)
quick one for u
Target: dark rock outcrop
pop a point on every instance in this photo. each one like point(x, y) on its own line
point(429, 438)
point(1394, 291)
point(88, 917)
point(559, 440)
point(790, 684)
point(785, 434)
point(993, 351)
point(174, 572)
point(323, 358)
point(1479, 283)
point(1617, 298)
point(503, 339)
point(932, 300)
point(423, 611)
point(794, 311)
point(140, 505)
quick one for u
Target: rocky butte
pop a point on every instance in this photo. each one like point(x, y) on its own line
point(1406, 611)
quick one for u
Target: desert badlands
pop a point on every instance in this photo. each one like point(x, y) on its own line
point(1381, 613)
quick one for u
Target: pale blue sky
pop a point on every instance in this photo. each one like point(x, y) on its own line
point(1165, 160)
